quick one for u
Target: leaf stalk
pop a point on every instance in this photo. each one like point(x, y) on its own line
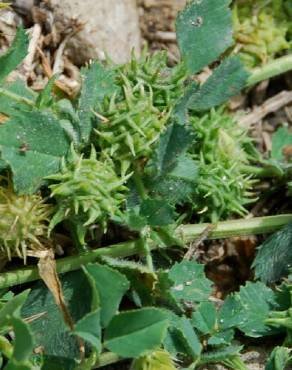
point(225, 229)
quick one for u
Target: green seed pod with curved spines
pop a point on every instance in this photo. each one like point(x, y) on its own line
point(157, 360)
point(24, 221)
point(262, 29)
point(87, 188)
point(133, 124)
point(220, 149)
point(152, 71)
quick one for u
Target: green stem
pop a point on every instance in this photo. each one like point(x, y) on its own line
point(107, 358)
point(272, 69)
point(225, 229)
point(6, 347)
point(16, 97)
point(262, 172)
point(139, 184)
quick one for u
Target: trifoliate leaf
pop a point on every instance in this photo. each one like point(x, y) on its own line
point(281, 143)
point(204, 32)
point(274, 256)
point(97, 82)
point(252, 305)
point(111, 286)
point(178, 184)
point(190, 282)
point(279, 359)
point(33, 144)
point(205, 320)
point(132, 333)
point(226, 81)
point(15, 54)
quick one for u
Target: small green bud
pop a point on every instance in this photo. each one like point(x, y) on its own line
point(24, 222)
point(157, 360)
point(88, 188)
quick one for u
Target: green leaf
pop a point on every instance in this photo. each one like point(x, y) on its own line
point(97, 82)
point(173, 142)
point(204, 32)
point(190, 283)
point(44, 142)
point(279, 358)
point(50, 331)
point(142, 279)
point(111, 286)
point(132, 333)
point(180, 111)
point(181, 337)
point(281, 139)
point(12, 307)
point(179, 184)
point(226, 81)
point(157, 212)
point(253, 304)
point(45, 98)
point(19, 91)
point(205, 320)
point(15, 54)
point(54, 362)
point(171, 174)
point(89, 329)
point(205, 317)
point(23, 343)
point(274, 256)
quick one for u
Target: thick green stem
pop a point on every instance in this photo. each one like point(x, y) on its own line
point(265, 172)
point(272, 69)
point(16, 97)
point(225, 229)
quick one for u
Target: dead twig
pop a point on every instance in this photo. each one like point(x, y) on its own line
point(196, 243)
point(32, 48)
point(269, 106)
point(165, 36)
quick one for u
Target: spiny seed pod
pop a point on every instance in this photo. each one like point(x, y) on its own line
point(157, 360)
point(262, 29)
point(88, 188)
point(133, 125)
point(24, 222)
point(151, 70)
point(220, 148)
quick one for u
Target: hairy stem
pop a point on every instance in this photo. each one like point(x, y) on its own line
point(107, 358)
point(225, 229)
point(265, 172)
point(272, 69)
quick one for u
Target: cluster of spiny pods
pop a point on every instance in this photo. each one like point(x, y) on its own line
point(93, 187)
